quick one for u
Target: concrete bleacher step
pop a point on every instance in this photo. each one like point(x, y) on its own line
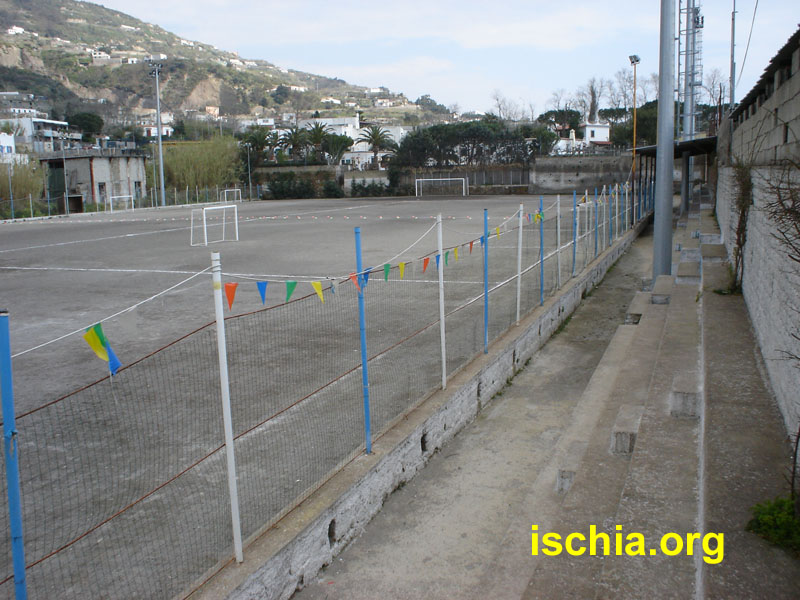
point(637, 307)
point(662, 289)
point(597, 475)
point(660, 491)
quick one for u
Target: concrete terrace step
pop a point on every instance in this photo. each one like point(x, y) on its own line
point(660, 493)
point(597, 483)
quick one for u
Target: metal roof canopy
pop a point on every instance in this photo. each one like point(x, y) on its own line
point(694, 147)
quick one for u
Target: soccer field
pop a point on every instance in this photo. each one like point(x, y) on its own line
point(128, 474)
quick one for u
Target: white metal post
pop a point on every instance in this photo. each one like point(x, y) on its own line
point(519, 260)
point(616, 211)
point(577, 232)
point(205, 229)
point(30, 202)
point(235, 221)
point(216, 276)
point(441, 300)
point(558, 238)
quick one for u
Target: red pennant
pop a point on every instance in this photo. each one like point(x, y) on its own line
point(470, 247)
point(230, 293)
point(354, 279)
point(425, 262)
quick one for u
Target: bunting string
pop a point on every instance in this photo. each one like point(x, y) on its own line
point(83, 329)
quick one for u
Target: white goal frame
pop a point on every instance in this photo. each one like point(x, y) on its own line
point(110, 205)
point(237, 195)
point(464, 184)
point(205, 210)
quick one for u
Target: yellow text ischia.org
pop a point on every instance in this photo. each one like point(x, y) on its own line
point(628, 544)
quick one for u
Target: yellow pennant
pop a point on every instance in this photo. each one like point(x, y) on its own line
point(402, 267)
point(455, 252)
point(318, 288)
point(498, 233)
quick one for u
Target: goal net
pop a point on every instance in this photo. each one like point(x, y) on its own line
point(444, 186)
point(212, 224)
point(230, 195)
point(120, 203)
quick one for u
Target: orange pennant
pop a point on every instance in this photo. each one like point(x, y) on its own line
point(425, 262)
point(470, 247)
point(354, 279)
point(230, 293)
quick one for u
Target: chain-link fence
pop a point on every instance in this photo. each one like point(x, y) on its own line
point(124, 482)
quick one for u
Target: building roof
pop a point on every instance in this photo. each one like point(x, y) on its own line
point(781, 60)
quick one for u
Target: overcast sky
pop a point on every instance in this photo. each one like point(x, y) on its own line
point(461, 51)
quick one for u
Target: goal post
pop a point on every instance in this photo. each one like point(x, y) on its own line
point(444, 185)
point(124, 202)
point(230, 195)
point(212, 224)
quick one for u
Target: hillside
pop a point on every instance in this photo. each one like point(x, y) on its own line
point(60, 35)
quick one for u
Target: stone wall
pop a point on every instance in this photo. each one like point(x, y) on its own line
point(771, 285)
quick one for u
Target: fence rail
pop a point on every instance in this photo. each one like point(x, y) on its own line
point(124, 482)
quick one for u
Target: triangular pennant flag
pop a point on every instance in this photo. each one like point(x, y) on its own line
point(481, 240)
point(386, 269)
point(446, 254)
point(366, 276)
point(529, 217)
point(470, 246)
point(333, 288)
point(354, 279)
point(318, 288)
point(455, 253)
point(425, 262)
point(402, 267)
point(230, 293)
point(97, 341)
point(498, 232)
point(262, 290)
point(290, 285)
point(437, 261)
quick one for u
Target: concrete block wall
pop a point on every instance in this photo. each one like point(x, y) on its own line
point(772, 132)
point(771, 286)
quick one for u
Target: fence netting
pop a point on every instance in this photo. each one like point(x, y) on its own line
point(124, 482)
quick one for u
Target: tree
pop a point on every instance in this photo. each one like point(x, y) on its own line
point(281, 94)
point(335, 146)
point(563, 118)
point(425, 102)
point(90, 124)
point(316, 134)
point(588, 98)
point(377, 138)
point(294, 140)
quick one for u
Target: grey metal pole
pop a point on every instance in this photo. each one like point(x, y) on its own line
point(662, 237)
point(156, 71)
point(733, 61)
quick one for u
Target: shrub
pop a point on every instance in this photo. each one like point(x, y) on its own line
point(331, 189)
point(775, 521)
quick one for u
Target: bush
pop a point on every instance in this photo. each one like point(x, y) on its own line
point(289, 185)
point(331, 189)
point(775, 521)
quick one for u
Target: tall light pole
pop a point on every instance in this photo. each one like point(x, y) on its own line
point(249, 180)
point(63, 137)
point(154, 72)
point(635, 60)
point(10, 170)
point(662, 229)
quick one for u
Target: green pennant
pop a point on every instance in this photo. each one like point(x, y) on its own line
point(290, 285)
point(386, 269)
point(446, 254)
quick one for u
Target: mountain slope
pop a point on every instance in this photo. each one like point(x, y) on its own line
point(60, 34)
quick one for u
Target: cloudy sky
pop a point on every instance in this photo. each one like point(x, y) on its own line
point(462, 51)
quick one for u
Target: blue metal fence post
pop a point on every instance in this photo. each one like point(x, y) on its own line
point(609, 205)
point(362, 327)
point(574, 228)
point(541, 250)
point(595, 222)
point(11, 448)
point(486, 281)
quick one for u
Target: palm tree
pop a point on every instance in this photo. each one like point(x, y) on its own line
point(294, 140)
point(272, 142)
point(336, 146)
point(377, 138)
point(316, 135)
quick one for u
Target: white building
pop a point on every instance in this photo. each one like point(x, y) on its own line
point(37, 134)
point(330, 100)
point(152, 131)
point(595, 135)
